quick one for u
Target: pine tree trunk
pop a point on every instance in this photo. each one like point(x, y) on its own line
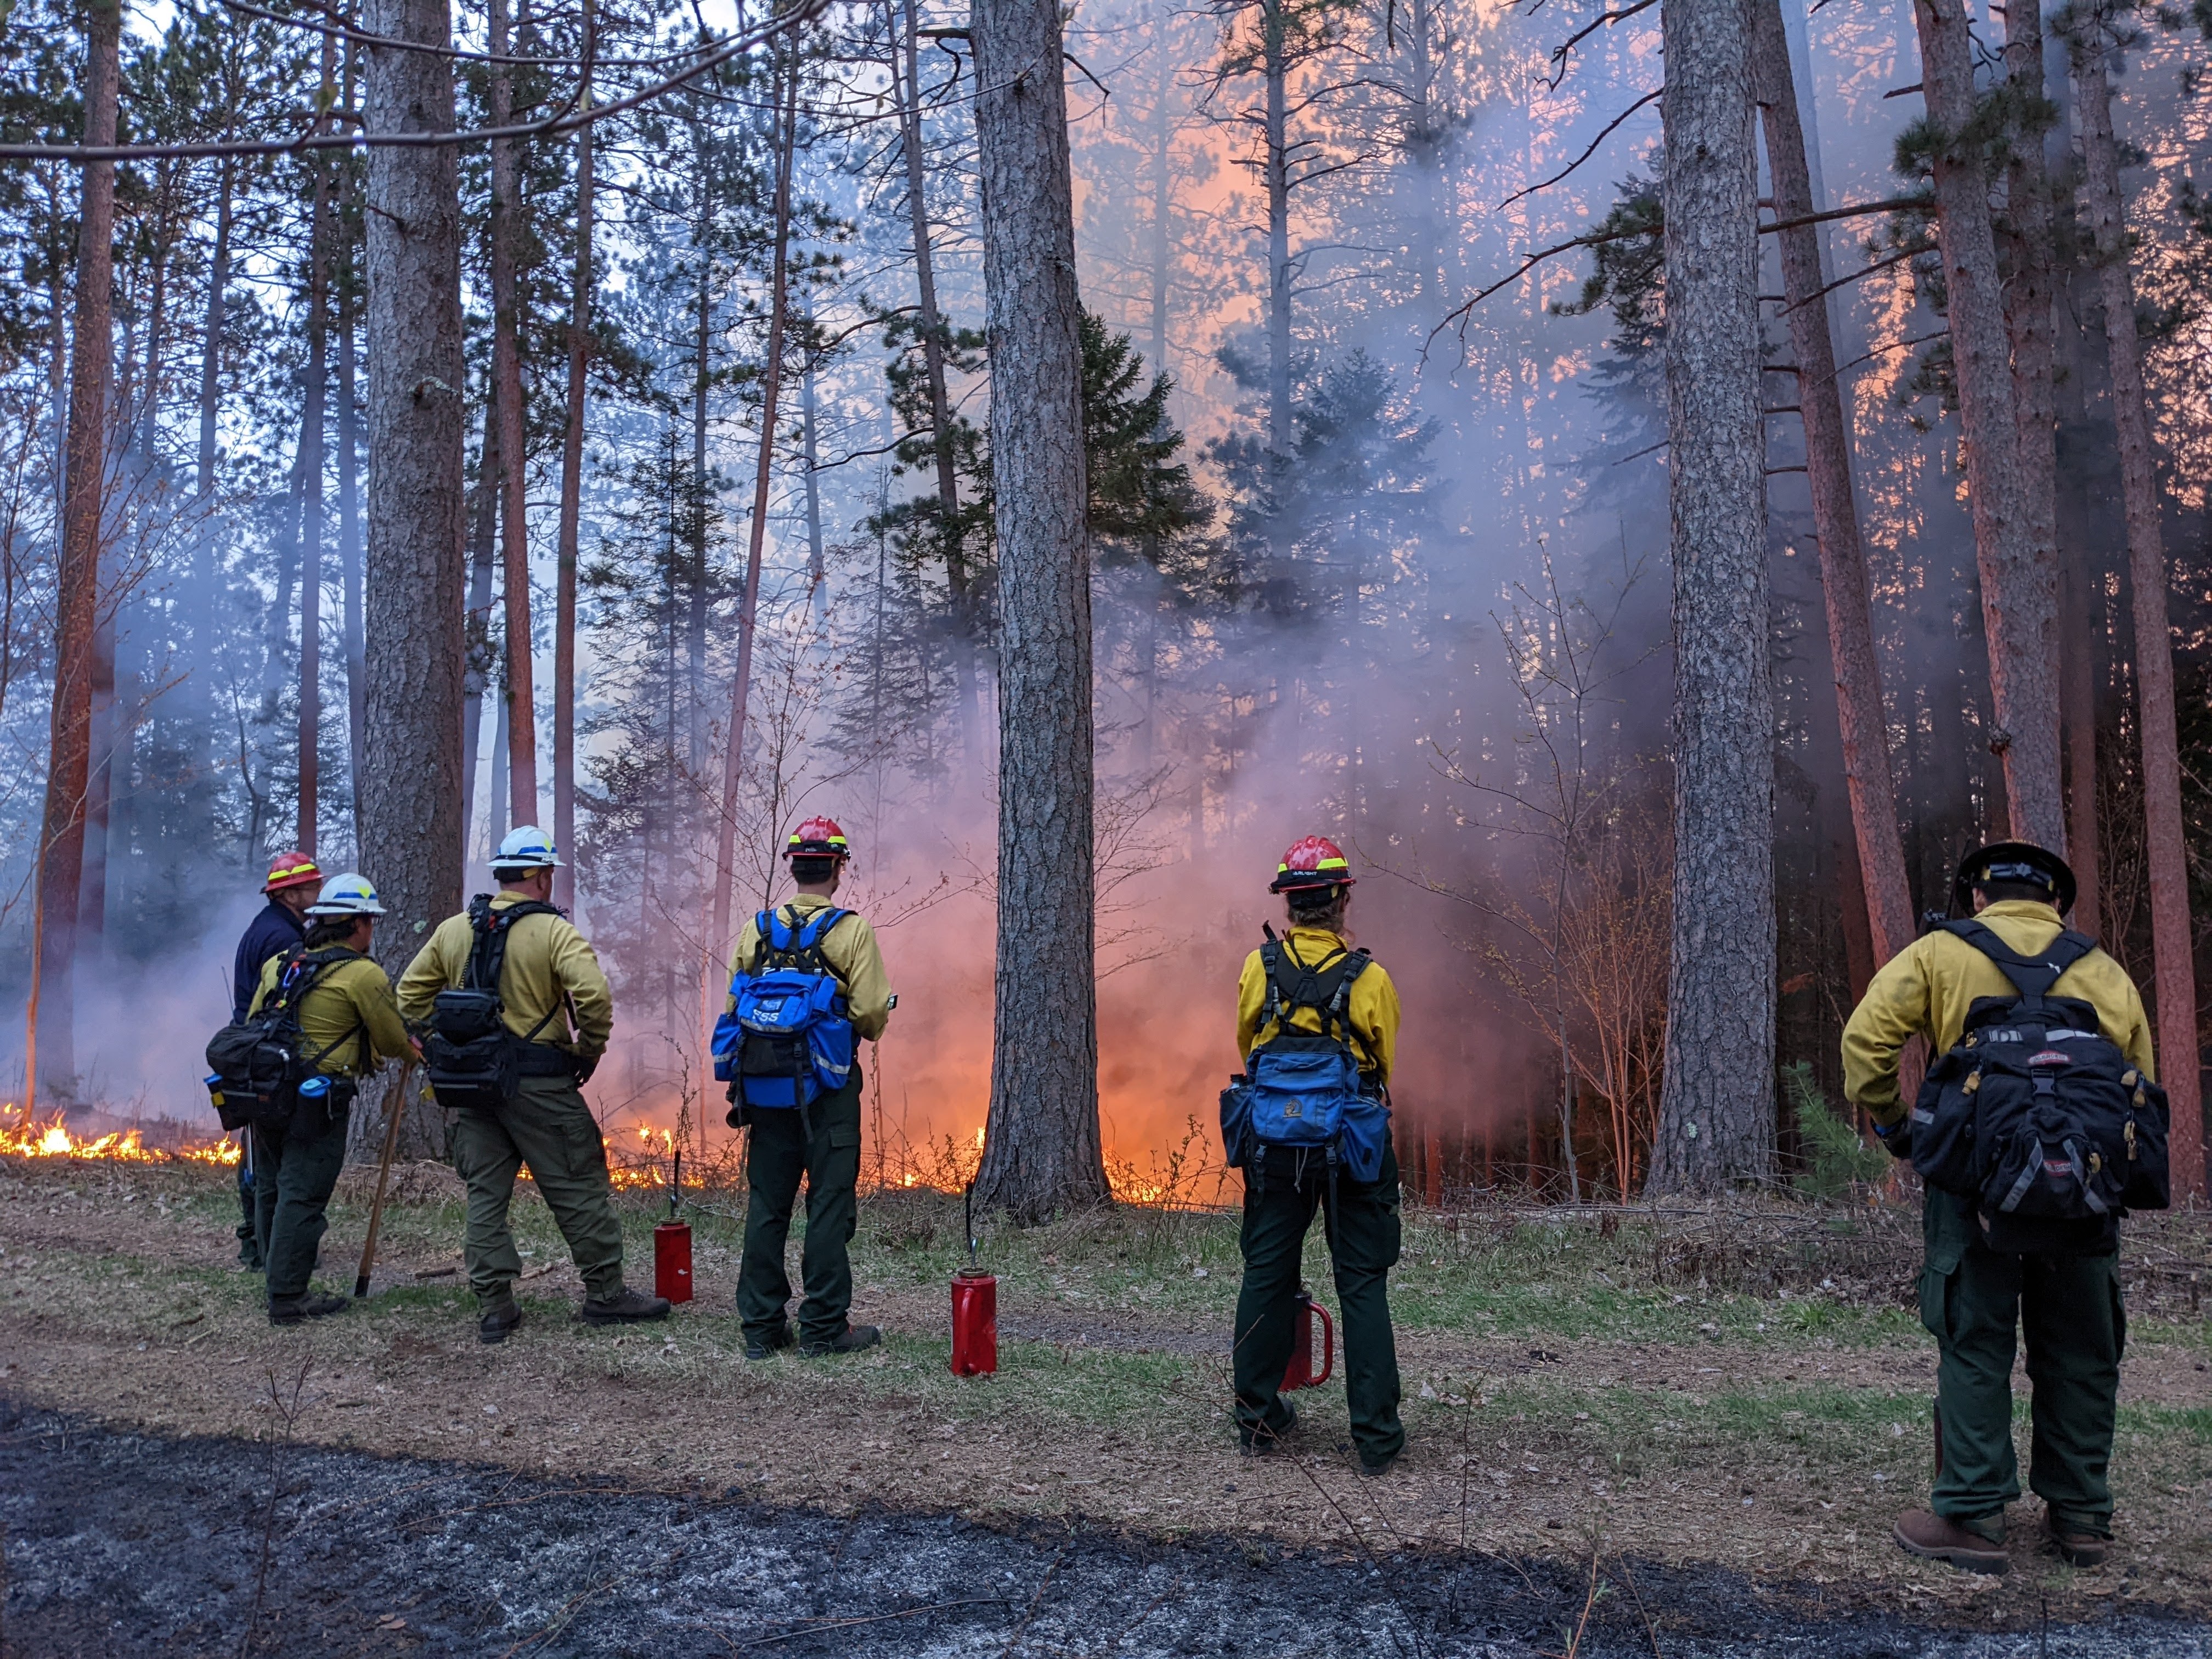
point(507, 369)
point(312, 422)
point(957, 584)
point(1275, 179)
point(733, 752)
point(484, 550)
point(1041, 1149)
point(1716, 1109)
point(2019, 585)
point(817, 567)
point(51, 1013)
point(410, 817)
point(2150, 577)
point(572, 496)
point(1859, 713)
point(348, 485)
point(2029, 319)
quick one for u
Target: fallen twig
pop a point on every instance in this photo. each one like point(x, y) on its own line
point(1035, 1600)
point(847, 1624)
point(561, 1615)
point(1651, 1635)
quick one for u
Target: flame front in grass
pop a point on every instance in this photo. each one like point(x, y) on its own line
point(52, 1139)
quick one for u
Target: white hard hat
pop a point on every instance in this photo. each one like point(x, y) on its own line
point(526, 849)
point(349, 895)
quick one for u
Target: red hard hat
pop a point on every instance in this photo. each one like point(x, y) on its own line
point(1312, 861)
point(817, 838)
point(292, 868)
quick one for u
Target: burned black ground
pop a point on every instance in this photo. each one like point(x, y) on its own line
point(123, 1544)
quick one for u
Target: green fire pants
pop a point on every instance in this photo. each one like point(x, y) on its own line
point(2069, 1309)
point(548, 1127)
point(1363, 1246)
point(293, 1180)
point(249, 1213)
point(779, 1154)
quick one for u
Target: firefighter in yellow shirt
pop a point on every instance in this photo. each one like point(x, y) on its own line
point(1974, 1297)
point(1284, 1185)
point(558, 1013)
point(348, 1026)
point(821, 1141)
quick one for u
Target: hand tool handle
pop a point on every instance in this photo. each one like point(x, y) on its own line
point(392, 1114)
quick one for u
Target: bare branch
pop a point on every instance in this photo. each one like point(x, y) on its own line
point(1607, 131)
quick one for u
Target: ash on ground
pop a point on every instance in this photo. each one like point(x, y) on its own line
point(122, 1545)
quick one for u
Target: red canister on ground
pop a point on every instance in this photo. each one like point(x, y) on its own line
point(1299, 1374)
point(671, 1261)
point(974, 1323)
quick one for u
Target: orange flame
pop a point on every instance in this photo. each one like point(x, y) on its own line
point(31, 1138)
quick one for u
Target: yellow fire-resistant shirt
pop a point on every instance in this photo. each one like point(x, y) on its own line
point(1927, 989)
point(349, 996)
point(549, 966)
point(1371, 1011)
point(851, 951)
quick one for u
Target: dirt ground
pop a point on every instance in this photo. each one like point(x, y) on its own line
point(1729, 1408)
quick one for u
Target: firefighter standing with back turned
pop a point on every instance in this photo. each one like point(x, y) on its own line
point(557, 1010)
point(821, 1140)
point(290, 886)
point(2056, 1279)
point(348, 1026)
point(1295, 996)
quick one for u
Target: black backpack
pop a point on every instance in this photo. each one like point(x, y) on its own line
point(472, 1058)
point(2036, 1116)
point(260, 1061)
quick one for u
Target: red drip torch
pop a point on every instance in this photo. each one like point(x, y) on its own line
point(671, 1241)
point(975, 1308)
point(1300, 1374)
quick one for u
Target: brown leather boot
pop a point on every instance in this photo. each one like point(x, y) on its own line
point(1922, 1533)
point(626, 1307)
point(2078, 1548)
point(299, 1309)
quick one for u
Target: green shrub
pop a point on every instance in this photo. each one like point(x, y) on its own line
point(1836, 1157)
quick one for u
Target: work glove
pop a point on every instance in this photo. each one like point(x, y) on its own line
point(1898, 1136)
point(584, 1065)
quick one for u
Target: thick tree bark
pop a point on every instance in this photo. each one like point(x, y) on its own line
point(313, 422)
point(410, 816)
point(2019, 581)
point(1041, 1152)
point(572, 497)
point(2163, 834)
point(1859, 713)
point(507, 369)
point(957, 584)
point(348, 486)
point(1716, 1106)
point(51, 1015)
point(734, 748)
point(2029, 319)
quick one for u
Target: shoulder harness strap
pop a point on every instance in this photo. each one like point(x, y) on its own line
point(1308, 990)
point(2033, 977)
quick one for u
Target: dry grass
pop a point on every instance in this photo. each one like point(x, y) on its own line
point(1748, 1390)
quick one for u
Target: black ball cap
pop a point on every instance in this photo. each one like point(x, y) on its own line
point(2014, 860)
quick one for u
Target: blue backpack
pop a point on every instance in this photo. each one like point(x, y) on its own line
point(786, 1040)
point(1301, 1088)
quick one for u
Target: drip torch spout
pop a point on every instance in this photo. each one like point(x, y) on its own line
point(968, 1220)
point(675, 1181)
